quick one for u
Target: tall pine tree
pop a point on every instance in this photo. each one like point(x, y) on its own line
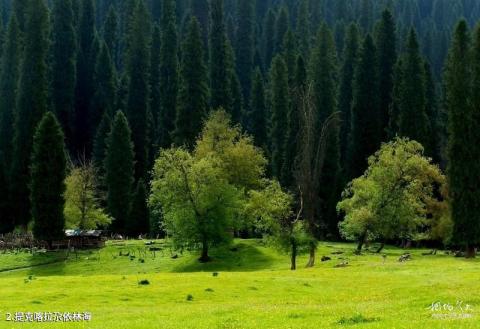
point(138, 66)
point(412, 119)
point(31, 104)
point(280, 101)
point(47, 185)
point(365, 135)
point(193, 93)
point(386, 58)
point(119, 170)
point(219, 75)
point(463, 146)
point(168, 73)
point(244, 45)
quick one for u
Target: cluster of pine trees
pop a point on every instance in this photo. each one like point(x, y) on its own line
point(126, 78)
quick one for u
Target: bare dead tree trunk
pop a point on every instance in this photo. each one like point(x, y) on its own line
point(310, 160)
point(294, 256)
point(311, 258)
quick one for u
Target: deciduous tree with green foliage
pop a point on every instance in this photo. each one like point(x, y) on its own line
point(82, 205)
point(398, 197)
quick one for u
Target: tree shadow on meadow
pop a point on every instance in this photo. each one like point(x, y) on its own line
point(48, 263)
point(241, 257)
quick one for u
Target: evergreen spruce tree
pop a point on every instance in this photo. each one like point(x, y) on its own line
point(219, 76)
point(463, 120)
point(412, 119)
point(105, 88)
point(386, 58)
point(244, 45)
point(257, 115)
point(168, 73)
point(303, 29)
point(31, 104)
point(269, 38)
point(365, 135)
point(47, 184)
point(85, 70)
point(8, 88)
point(6, 220)
point(297, 92)
point(431, 109)
point(138, 66)
point(119, 172)
point(350, 57)
point(110, 34)
point(63, 67)
point(20, 8)
point(193, 93)
point(200, 10)
point(394, 110)
point(281, 28)
point(155, 103)
point(290, 55)
point(324, 73)
point(138, 222)
point(100, 143)
point(279, 109)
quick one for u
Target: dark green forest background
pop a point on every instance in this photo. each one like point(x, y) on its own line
point(165, 64)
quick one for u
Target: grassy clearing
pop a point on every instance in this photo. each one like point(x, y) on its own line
point(248, 286)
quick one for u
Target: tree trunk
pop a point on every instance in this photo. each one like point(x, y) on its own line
point(294, 257)
point(311, 259)
point(204, 258)
point(470, 252)
point(382, 245)
point(361, 241)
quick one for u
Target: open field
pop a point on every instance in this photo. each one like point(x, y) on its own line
point(253, 289)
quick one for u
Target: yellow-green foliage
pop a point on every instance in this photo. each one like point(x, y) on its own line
point(82, 209)
point(397, 196)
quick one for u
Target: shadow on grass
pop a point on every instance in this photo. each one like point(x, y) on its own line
point(244, 257)
point(47, 264)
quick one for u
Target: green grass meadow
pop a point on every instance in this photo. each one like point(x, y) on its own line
point(252, 288)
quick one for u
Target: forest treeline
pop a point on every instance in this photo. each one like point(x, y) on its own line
point(127, 78)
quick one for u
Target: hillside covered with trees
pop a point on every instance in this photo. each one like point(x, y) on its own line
point(203, 120)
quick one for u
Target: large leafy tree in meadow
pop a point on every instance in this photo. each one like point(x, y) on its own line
point(463, 149)
point(47, 184)
point(31, 104)
point(193, 93)
point(201, 195)
point(119, 172)
point(396, 197)
point(63, 65)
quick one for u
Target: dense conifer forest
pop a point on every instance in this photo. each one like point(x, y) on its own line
point(122, 114)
